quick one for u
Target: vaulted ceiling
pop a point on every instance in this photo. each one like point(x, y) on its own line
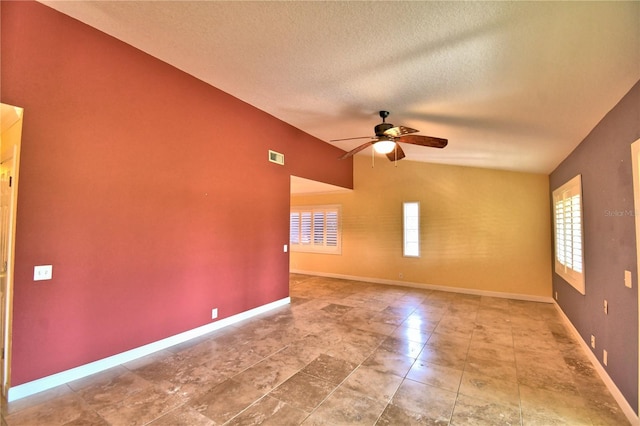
point(511, 85)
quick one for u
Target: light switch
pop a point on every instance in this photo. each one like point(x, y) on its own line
point(42, 272)
point(627, 278)
point(285, 248)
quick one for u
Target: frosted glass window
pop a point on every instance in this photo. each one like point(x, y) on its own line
point(411, 229)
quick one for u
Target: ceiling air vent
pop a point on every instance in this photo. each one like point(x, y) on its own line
point(276, 157)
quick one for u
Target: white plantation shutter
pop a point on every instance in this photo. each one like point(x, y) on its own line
point(294, 228)
point(331, 228)
point(567, 202)
point(569, 232)
point(315, 229)
point(318, 228)
point(305, 228)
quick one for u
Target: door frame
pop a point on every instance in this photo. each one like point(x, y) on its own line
point(11, 138)
point(635, 162)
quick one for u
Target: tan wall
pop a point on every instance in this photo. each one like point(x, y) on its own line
point(481, 229)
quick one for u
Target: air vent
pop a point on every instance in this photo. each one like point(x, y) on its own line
point(276, 157)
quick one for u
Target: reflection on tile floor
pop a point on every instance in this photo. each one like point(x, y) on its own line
point(352, 353)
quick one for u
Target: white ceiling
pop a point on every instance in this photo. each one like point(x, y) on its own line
point(511, 85)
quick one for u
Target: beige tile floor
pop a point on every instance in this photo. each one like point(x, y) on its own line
point(352, 353)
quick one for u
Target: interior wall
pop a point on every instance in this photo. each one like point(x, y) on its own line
point(141, 185)
point(481, 229)
point(604, 161)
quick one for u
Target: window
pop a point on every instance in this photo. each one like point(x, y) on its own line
point(411, 229)
point(315, 229)
point(567, 205)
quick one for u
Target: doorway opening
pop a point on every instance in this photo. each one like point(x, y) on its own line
point(10, 140)
point(635, 161)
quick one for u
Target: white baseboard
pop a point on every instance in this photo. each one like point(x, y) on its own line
point(49, 382)
point(620, 399)
point(517, 296)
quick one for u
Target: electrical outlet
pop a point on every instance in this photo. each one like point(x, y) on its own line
point(605, 357)
point(214, 313)
point(42, 272)
point(606, 307)
point(593, 341)
point(556, 295)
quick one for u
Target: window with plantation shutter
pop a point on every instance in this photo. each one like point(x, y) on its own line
point(569, 242)
point(315, 229)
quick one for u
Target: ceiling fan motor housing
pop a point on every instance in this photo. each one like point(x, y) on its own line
point(382, 127)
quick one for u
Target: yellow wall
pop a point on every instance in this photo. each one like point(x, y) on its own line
point(481, 229)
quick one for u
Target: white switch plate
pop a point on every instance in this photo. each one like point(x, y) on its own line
point(627, 278)
point(286, 248)
point(605, 357)
point(42, 272)
point(593, 341)
point(214, 313)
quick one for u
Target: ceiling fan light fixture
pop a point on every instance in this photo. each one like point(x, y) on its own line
point(384, 146)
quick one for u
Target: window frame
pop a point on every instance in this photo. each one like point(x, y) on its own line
point(410, 235)
point(567, 199)
point(308, 240)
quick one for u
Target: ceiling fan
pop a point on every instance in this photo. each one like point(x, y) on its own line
point(387, 137)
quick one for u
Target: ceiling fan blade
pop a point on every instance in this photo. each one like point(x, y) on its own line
point(424, 141)
point(356, 150)
point(349, 139)
point(396, 132)
point(396, 154)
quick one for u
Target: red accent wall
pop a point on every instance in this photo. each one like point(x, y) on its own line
point(148, 191)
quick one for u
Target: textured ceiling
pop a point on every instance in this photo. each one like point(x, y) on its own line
point(512, 85)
